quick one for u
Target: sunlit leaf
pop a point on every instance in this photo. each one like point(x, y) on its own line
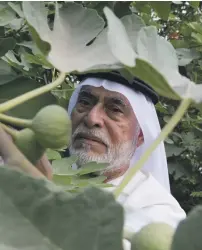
point(118, 40)
point(37, 59)
point(17, 8)
point(161, 72)
point(194, 4)
point(16, 24)
point(43, 46)
point(133, 24)
point(150, 46)
point(195, 26)
point(197, 194)
point(150, 75)
point(6, 14)
point(13, 61)
point(74, 28)
point(197, 37)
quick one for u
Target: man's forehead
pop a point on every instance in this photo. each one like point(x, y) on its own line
point(102, 92)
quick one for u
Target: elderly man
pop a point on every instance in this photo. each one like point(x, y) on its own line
point(114, 121)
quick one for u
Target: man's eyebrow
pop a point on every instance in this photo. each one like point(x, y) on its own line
point(118, 101)
point(86, 93)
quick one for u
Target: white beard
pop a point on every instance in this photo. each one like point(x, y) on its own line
point(116, 156)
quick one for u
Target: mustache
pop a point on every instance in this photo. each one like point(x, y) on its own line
point(82, 131)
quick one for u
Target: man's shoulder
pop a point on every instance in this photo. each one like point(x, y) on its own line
point(146, 201)
point(144, 190)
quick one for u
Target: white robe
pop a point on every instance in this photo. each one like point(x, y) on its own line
point(145, 201)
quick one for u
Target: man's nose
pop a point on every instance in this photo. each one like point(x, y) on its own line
point(94, 118)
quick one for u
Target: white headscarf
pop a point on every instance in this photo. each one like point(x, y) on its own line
point(146, 115)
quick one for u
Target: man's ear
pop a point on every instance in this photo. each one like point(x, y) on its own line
point(140, 139)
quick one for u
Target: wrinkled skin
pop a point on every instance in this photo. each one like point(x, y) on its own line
point(105, 129)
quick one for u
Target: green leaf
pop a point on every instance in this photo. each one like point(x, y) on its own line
point(173, 150)
point(74, 28)
point(146, 72)
point(20, 86)
point(31, 45)
point(177, 169)
point(179, 44)
point(52, 154)
point(148, 63)
point(169, 141)
point(37, 59)
point(188, 232)
point(91, 168)
point(11, 59)
point(6, 14)
point(186, 56)
point(6, 44)
point(197, 37)
point(64, 166)
point(17, 8)
point(6, 73)
point(162, 8)
point(17, 24)
point(118, 39)
point(195, 26)
point(194, 4)
point(38, 215)
point(43, 46)
point(133, 25)
point(143, 6)
point(63, 180)
point(197, 194)
point(79, 182)
point(150, 46)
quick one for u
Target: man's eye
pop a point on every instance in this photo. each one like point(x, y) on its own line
point(84, 102)
point(115, 109)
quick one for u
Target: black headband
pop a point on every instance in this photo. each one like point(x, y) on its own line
point(136, 84)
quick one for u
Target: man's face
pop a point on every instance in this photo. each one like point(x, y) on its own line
point(104, 127)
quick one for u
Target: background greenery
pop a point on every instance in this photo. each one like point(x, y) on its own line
point(23, 67)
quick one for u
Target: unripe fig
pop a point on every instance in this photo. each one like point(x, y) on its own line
point(188, 232)
point(27, 143)
point(52, 127)
point(155, 236)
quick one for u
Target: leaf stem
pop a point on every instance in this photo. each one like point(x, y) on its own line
point(15, 121)
point(29, 95)
point(12, 132)
point(162, 136)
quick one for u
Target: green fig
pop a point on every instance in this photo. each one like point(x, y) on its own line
point(189, 231)
point(52, 127)
point(27, 143)
point(155, 236)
